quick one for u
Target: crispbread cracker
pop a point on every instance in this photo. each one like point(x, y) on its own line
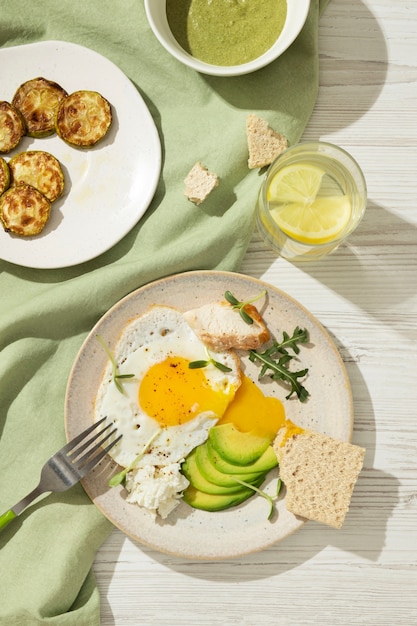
point(199, 182)
point(264, 143)
point(319, 473)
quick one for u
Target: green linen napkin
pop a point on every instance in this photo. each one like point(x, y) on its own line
point(47, 553)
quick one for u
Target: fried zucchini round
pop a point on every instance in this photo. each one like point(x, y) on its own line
point(24, 210)
point(12, 126)
point(83, 118)
point(4, 176)
point(37, 100)
point(39, 169)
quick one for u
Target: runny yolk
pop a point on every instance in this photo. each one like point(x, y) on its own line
point(173, 394)
point(252, 411)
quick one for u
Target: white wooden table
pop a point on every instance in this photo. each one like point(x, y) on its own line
point(365, 295)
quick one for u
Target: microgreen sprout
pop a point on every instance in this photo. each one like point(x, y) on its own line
point(240, 305)
point(120, 477)
point(209, 361)
point(115, 373)
point(267, 497)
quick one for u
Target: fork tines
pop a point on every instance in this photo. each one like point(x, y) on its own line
point(92, 454)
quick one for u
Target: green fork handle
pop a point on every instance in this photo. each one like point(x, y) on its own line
point(6, 518)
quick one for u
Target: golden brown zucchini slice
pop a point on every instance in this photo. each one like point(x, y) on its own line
point(83, 118)
point(38, 100)
point(24, 210)
point(12, 126)
point(4, 176)
point(39, 169)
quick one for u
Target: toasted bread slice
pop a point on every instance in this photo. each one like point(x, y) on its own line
point(83, 118)
point(37, 100)
point(319, 473)
point(221, 327)
point(39, 169)
point(12, 126)
point(24, 210)
point(264, 144)
point(199, 183)
point(4, 175)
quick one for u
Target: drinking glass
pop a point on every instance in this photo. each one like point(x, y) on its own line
point(341, 197)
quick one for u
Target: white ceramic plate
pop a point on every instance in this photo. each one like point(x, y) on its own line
point(188, 532)
point(108, 187)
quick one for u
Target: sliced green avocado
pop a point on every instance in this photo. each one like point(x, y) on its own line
point(236, 447)
point(215, 502)
point(266, 462)
point(191, 471)
point(210, 472)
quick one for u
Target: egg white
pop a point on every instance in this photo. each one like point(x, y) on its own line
point(146, 340)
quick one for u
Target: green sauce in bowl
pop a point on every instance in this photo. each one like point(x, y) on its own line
point(226, 32)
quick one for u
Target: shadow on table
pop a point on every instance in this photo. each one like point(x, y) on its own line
point(369, 267)
point(360, 45)
point(363, 534)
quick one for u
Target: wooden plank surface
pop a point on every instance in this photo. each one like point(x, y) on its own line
point(365, 295)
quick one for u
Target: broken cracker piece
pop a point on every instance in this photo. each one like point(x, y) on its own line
point(199, 182)
point(264, 143)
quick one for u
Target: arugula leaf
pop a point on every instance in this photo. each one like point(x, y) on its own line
point(275, 359)
point(300, 335)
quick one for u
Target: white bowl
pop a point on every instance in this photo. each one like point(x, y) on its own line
point(297, 11)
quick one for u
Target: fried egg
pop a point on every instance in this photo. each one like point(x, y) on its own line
point(164, 401)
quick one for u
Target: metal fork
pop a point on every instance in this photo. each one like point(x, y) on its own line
point(67, 466)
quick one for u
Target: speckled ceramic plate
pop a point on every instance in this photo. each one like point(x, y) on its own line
point(189, 532)
point(108, 187)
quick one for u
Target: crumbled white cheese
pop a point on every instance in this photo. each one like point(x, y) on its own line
point(157, 489)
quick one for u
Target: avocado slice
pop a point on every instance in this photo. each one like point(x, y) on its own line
point(210, 472)
point(191, 471)
point(266, 462)
point(236, 447)
point(215, 502)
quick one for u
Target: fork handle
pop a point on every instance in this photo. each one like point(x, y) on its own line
point(6, 518)
point(10, 515)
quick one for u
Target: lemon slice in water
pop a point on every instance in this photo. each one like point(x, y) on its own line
point(298, 209)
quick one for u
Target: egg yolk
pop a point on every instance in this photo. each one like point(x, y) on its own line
point(173, 394)
point(252, 411)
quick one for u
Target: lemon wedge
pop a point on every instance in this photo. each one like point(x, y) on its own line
point(298, 209)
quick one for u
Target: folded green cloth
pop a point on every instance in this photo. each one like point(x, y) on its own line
point(46, 554)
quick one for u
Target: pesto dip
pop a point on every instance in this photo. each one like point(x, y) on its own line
point(226, 32)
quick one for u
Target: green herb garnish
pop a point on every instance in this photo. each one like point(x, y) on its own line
point(276, 358)
point(115, 373)
point(240, 306)
point(120, 477)
point(261, 493)
point(193, 365)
